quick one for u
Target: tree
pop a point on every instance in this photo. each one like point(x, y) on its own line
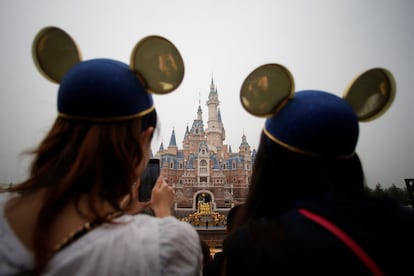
point(398, 194)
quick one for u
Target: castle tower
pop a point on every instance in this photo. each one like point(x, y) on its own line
point(205, 168)
point(196, 134)
point(172, 147)
point(214, 132)
point(244, 148)
point(240, 188)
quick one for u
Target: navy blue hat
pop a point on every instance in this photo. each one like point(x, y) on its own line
point(313, 122)
point(102, 90)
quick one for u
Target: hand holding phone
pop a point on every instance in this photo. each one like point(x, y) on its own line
point(162, 198)
point(148, 179)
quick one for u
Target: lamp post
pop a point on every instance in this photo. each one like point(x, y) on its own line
point(409, 182)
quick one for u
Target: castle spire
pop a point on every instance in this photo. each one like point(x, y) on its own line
point(172, 139)
point(213, 89)
point(219, 115)
point(187, 131)
point(244, 141)
point(199, 113)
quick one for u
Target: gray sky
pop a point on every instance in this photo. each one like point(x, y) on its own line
point(325, 44)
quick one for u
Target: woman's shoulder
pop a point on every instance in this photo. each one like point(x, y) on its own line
point(148, 232)
point(146, 227)
point(129, 230)
point(13, 254)
point(140, 242)
point(166, 225)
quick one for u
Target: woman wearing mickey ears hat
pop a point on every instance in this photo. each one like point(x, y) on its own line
point(77, 213)
point(307, 211)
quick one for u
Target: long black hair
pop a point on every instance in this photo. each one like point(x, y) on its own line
point(280, 177)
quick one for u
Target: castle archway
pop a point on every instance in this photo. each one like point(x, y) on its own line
point(204, 214)
point(204, 197)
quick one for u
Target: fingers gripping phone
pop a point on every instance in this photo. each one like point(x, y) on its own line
point(148, 179)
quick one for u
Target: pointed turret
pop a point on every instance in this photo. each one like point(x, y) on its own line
point(214, 131)
point(199, 113)
point(173, 142)
point(244, 148)
point(172, 147)
point(198, 127)
point(187, 131)
point(254, 152)
point(244, 142)
point(219, 115)
point(213, 89)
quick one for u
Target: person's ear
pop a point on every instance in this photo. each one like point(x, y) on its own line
point(146, 136)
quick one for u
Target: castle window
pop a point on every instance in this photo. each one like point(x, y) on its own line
point(203, 167)
point(171, 165)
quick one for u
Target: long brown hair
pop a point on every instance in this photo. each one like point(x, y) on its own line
point(82, 158)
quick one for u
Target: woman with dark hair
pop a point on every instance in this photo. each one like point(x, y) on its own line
point(78, 212)
point(307, 211)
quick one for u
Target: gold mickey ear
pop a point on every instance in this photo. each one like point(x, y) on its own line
point(158, 63)
point(54, 52)
point(265, 89)
point(371, 93)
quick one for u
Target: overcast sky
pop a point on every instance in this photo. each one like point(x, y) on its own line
point(325, 44)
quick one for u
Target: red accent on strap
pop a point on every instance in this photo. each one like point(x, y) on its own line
point(345, 238)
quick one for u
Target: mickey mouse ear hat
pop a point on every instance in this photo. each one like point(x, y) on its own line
point(313, 122)
point(102, 90)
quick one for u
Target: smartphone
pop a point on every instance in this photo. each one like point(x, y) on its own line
point(148, 179)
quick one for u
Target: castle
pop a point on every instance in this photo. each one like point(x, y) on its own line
point(206, 170)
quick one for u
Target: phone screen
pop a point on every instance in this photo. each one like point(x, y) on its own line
point(148, 179)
